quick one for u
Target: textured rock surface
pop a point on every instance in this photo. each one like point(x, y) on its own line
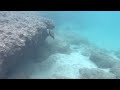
point(117, 54)
point(116, 70)
point(95, 73)
point(102, 60)
point(21, 34)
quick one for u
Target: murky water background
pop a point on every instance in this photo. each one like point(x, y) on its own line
point(76, 33)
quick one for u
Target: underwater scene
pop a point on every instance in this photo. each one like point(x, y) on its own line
point(59, 44)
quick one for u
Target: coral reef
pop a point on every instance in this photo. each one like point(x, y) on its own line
point(21, 34)
point(102, 59)
point(116, 70)
point(95, 73)
point(117, 54)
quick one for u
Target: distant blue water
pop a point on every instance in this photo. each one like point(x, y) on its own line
point(100, 27)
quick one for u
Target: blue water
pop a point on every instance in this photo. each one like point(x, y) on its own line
point(60, 57)
point(100, 27)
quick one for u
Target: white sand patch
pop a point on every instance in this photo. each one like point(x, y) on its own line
point(62, 65)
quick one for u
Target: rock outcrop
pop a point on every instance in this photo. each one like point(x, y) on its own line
point(102, 59)
point(21, 34)
point(116, 70)
point(95, 73)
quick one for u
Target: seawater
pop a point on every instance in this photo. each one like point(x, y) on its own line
point(100, 27)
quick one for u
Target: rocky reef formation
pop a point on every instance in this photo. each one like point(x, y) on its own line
point(21, 34)
point(101, 58)
point(116, 70)
point(95, 73)
point(117, 54)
